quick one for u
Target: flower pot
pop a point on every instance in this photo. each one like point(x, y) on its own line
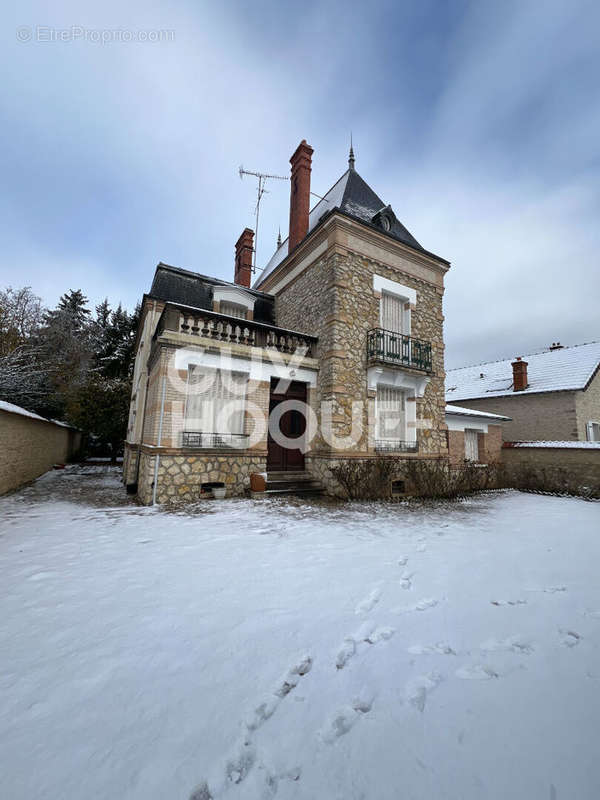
point(219, 492)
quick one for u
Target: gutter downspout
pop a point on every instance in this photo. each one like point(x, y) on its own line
point(160, 427)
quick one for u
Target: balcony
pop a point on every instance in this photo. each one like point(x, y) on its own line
point(232, 330)
point(395, 446)
point(214, 441)
point(396, 349)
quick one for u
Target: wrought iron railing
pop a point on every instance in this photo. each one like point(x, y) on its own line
point(395, 446)
point(396, 348)
point(214, 440)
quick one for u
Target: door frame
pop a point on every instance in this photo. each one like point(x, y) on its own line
point(291, 460)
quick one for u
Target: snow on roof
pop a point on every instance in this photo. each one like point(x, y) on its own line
point(576, 445)
point(11, 408)
point(566, 368)
point(469, 412)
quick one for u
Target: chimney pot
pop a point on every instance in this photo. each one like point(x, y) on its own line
point(519, 374)
point(244, 248)
point(301, 162)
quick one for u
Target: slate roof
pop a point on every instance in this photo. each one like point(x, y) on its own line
point(192, 289)
point(354, 197)
point(568, 368)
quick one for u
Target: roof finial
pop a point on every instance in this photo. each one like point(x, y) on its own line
point(279, 238)
point(351, 158)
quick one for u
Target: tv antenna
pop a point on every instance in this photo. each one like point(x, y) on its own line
point(263, 177)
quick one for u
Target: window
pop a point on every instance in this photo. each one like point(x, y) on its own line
point(232, 309)
point(390, 412)
point(593, 431)
point(215, 403)
point(471, 445)
point(392, 312)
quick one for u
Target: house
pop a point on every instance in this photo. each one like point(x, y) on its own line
point(552, 395)
point(335, 352)
point(474, 436)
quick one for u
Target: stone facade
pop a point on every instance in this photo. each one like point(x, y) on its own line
point(30, 447)
point(334, 299)
point(180, 476)
point(325, 288)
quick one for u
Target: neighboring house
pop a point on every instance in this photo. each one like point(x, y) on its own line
point(553, 395)
point(474, 435)
point(335, 353)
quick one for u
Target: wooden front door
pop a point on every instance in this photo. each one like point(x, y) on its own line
point(292, 425)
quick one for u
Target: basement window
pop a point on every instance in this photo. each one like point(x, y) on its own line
point(398, 488)
point(206, 488)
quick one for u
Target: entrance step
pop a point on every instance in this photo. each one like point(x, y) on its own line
point(292, 483)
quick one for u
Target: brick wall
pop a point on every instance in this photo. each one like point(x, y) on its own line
point(29, 447)
point(548, 416)
point(456, 447)
point(579, 465)
point(587, 404)
point(489, 446)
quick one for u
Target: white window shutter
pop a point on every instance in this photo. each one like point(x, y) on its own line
point(392, 313)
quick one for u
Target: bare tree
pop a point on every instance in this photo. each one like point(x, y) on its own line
point(21, 315)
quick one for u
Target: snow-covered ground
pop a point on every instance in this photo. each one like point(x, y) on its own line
point(261, 649)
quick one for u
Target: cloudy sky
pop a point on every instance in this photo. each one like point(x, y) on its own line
point(479, 122)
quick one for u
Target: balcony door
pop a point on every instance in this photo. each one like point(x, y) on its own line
point(292, 425)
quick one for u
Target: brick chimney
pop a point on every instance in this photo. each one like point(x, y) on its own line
point(299, 193)
point(244, 247)
point(519, 375)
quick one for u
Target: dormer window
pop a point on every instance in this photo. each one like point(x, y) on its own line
point(234, 302)
point(385, 219)
point(233, 309)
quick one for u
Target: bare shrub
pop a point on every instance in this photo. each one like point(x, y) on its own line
point(370, 479)
point(366, 479)
point(436, 479)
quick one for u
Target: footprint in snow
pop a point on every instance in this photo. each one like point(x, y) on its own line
point(201, 792)
point(293, 675)
point(366, 633)
point(406, 580)
point(238, 767)
point(428, 649)
point(369, 602)
point(422, 605)
point(569, 638)
point(477, 672)
point(346, 717)
point(514, 644)
point(403, 561)
point(517, 602)
point(418, 689)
